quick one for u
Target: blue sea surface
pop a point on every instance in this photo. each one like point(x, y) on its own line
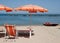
point(27, 19)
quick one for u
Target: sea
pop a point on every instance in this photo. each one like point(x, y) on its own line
point(29, 19)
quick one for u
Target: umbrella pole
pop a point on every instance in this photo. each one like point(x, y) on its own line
point(30, 26)
point(30, 21)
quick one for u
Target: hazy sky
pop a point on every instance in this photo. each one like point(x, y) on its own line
point(53, 6)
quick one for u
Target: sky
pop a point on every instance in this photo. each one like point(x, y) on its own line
point(53, 6)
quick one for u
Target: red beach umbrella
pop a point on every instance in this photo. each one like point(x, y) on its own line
point(31, 9)
point(7, 9)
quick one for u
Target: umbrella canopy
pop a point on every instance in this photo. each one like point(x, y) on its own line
point(7, 9)
point(31, 8)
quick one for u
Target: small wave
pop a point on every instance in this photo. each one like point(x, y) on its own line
point(29, 14)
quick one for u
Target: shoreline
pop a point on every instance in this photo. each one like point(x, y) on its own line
point(27, 25)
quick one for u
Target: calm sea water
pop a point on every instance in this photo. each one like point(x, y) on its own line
point(26, 19)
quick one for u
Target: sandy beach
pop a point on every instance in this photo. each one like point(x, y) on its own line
point(42, 34)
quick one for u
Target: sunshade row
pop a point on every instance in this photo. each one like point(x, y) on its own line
point(29, 8)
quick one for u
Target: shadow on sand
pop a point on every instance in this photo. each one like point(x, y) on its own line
point(25, 35)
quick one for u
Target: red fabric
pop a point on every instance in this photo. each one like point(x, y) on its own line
point(8, 10)
point(33, 11)
point(10, 30)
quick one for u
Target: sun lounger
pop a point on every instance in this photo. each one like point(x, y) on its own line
point(2, 32)
point(25, 33)
point(11, 31)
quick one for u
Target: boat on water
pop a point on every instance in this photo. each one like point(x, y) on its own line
point(50, 24)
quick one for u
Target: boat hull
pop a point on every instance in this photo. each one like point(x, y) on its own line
point(50, 24)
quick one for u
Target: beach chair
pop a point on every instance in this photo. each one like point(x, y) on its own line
point(2, 32)
point(10, 31)
point(25, 33)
